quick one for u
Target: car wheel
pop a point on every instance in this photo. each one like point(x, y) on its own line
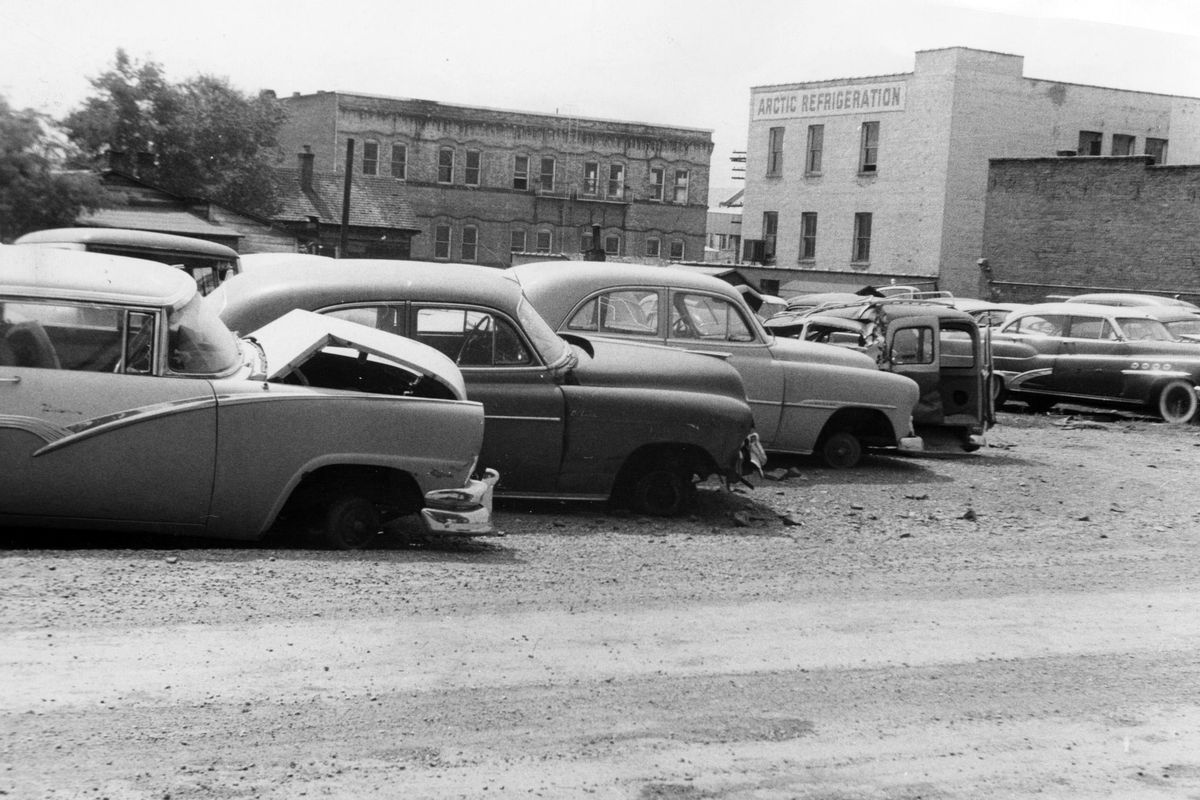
point(351, 523)
point(1177, 401)
point(841, 450)
point(661, 492)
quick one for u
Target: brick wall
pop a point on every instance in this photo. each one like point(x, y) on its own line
point(1069, 225)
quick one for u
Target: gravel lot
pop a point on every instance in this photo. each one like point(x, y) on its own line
point(1023, 621)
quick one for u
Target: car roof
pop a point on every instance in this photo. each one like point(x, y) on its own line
point(47, 272)
point(592, 276)
point(1065, 307)
point(126, 237)
point(305, 282)
point(1129, 299)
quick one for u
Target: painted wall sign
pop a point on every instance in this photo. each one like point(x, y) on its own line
point(857, 99)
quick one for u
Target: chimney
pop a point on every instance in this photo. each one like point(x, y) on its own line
point(306, 169)
point(118, 161)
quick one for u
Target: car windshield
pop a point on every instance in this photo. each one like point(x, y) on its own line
point(1184, 327)
point(552, 347)
point(198, 342)
point(1145, 330)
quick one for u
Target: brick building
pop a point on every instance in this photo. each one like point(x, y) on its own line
point(487, 185)
point(883, 179)
point(1076, 225)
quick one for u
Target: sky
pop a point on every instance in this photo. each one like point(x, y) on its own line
point(688, 63)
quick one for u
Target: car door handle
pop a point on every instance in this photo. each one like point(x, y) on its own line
point(10, 378)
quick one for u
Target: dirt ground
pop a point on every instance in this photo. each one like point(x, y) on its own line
point(1019, 622)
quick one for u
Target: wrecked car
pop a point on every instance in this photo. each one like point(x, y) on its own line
point(126, 404)
point(941, 348)
point(806, 398)
point(568, 417)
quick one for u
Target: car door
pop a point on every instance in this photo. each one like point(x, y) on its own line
point(80, 440)
point(912, 348)
point(524, 407)
point(1090, 358)
point(1027, 349)
point(699, 322)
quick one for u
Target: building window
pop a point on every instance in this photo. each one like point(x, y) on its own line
point(770, 229)
point(521, 173)
point(471, 176)
point(370, 162)
point(868, 160)
point(616, 181)
point(470, 243)
point(400, 161)
point(775, 152)
point(676, 250)
point(446, 165)
point(816, 143)
point(543, 240)
point(612, 245)
point(862, 238)
point(1089, 143)
point(546, 176)
point(658, 183)
point(1158, 149)
point(1123, 144)
point(441, 241)
point(681, 186)
point(516, 242)
point(653, 247)
point(591, 177)
point(808, 235)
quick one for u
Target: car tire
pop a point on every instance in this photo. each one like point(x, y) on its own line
point(1176, 401)
point(351, 523)
point(661, 492)
point(841, 450)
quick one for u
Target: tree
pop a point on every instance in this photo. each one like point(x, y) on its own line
point(201, 138)
point(35, 191)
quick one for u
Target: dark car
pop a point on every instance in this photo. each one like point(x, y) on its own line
point(1109, 356)
point(566, 417)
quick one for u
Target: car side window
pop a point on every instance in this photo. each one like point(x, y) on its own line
point(471, 338)
point(1091, 328)
point(72, 336)
point(702, 316)
point(1040, 325)
point(385, 317)
point(629, 311)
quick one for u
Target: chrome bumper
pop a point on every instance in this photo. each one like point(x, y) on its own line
point(466, 511)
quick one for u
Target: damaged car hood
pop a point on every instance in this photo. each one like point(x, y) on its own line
point(293, 338)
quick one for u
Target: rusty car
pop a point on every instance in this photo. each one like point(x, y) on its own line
point(128, 405)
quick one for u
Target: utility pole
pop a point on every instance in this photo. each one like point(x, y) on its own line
point(344, 233)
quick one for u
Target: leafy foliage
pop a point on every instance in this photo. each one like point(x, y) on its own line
point(35, 192)
point(203, 137)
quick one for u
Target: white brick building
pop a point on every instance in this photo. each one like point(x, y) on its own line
point(882, 179)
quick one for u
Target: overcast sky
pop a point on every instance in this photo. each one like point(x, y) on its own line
point(678, 62)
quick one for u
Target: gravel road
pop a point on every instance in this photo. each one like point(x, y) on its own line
point(1023, 621)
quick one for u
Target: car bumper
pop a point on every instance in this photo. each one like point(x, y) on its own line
point(466, 511)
